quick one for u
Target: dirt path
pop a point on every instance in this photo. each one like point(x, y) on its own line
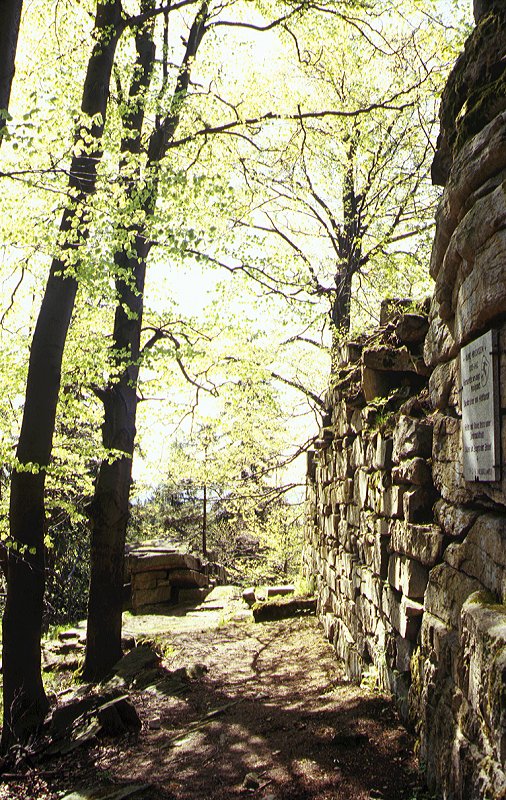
point(266, 714)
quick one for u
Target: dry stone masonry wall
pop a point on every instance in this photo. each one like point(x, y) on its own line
point(408, 552)
point(371, 538)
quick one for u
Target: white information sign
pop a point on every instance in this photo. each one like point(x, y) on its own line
point(480, 409)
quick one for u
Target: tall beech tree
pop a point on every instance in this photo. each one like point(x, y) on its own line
point(351, 198)
point(109, 510)
point(24, 699)
point(110, 506)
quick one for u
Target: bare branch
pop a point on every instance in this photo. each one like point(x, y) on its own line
point(270, 116)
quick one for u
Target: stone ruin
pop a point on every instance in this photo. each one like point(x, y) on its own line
point(157, 572)
point(408, 551)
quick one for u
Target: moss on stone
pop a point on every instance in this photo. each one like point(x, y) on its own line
point(481, 107)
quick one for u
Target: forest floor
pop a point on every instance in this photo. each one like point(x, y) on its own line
point(264, 712)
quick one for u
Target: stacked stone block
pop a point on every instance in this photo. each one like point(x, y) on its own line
point(372, 537)
point(156, 573)
point(410, 562)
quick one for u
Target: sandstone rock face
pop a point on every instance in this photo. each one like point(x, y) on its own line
point(412, 438)
point(474, 93)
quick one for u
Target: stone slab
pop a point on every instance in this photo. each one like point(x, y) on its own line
point(407, 576)
point(187, 578)
point(148, 597)
point(147, 580)
point(412, 438)
point(164, 560)
point(421, 542)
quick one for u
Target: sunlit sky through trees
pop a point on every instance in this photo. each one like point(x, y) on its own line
point(234, 202)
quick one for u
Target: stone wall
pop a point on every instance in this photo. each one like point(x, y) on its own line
point(409, 557)
point(372, 538)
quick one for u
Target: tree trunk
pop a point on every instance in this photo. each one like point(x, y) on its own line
point(25, 702)
point(341, 303)
point(10, 16)
point(204, 522)
point(110, 507)
point(350, 247)
point(110, 504)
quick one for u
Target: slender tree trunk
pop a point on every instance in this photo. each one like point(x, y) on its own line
point(110, 508)
point(10, 16)
point(350, 247)
point(204, 522)
point(25, 703)
point(341, 305)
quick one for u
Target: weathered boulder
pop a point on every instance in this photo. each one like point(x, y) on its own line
point(483, 221)
point(443, 386)
point(482, 555)
point(413, 470)
point(447, 591)
point(481, 158)
point(439, 345)
point(138, 659)
point(454, 520)
point(479, 302)
point(484, 646)
point(389, 359)
point(411, 329)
